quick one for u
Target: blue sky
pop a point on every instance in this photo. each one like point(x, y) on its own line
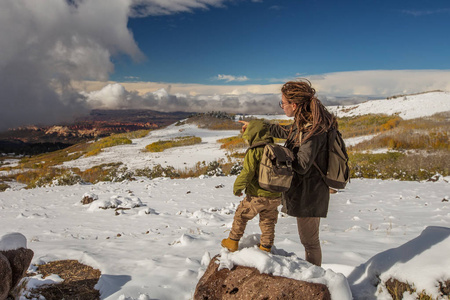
point(270, 41)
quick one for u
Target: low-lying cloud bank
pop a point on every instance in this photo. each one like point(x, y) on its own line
point(115, 96)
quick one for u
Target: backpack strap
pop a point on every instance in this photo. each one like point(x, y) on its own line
point(259, 144)
point(331, 136)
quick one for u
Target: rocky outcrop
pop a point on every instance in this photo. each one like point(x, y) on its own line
point(19, 261)
point(5, 277)
point(248, 283)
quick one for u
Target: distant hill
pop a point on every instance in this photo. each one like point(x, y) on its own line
point(99, 123)
point(405, 106)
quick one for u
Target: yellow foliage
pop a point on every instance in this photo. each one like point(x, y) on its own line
point(233, 143)
point(162, 145)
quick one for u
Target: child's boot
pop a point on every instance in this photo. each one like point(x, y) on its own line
point(230, 244)
point(265, 247)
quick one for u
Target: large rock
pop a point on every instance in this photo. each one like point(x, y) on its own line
point(19, 260)
point(248, 283)
point(5, 277)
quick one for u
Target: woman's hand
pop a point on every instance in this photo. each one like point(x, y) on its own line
point(244, 125)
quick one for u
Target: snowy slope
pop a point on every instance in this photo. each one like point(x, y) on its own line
point(407, 107)
point(179, 157)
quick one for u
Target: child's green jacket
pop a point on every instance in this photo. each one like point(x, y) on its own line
point(257, 131)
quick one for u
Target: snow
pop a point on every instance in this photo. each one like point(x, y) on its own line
point(161, 248)
point(134, 158)
point(153, 239)
point(407, 107)
point(12, 241)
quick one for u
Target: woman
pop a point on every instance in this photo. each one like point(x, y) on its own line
point(308, 197)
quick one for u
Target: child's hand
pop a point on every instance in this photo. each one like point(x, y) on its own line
point(244, 125)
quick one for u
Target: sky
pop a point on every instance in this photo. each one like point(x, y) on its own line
point(59, 59)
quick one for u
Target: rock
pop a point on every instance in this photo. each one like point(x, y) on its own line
point(248, 283)
point(5, 277)
point(88, 198)
point(19, 261)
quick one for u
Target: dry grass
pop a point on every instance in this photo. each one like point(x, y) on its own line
point(367, 124)
point(396, 165)
point(397, 288)
point(162, 145)
point(233, 143)
point(421, 133)
point(3, 187)
point(78, 284)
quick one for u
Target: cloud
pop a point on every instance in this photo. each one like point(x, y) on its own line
point(46, 46)
point(275, 7)
point(144, 8)
point(115, 96)
point(230, 78)
point(418, 13)
point(332, 88)
point(380, 83)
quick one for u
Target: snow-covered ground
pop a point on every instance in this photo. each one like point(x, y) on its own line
point(161, 245)
point(160, 249)
point(133, 157)
point(407, 107)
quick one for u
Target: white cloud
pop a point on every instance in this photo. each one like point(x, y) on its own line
point(332, 88)
point(418, 13)
point(143, 8)
point(381, 83)
point(47, 45)
point(369, 83)
point(116, 96)
point(230, 78)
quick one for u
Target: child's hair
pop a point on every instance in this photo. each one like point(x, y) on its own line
point(309, 109)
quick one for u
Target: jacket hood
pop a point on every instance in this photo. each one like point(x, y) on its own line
point(257, 131)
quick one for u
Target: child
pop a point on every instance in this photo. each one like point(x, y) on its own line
point(257, 200)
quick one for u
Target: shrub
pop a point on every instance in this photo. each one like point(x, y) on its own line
point(404, 139)
point(214, 169)
point(3, 187)
point(133, 134)
point(233, 143)
point(236, 169)
point(158, 171)
point(396, 165)
point(107, 172)
point(160, 146)
point(215, 121)
point(67, 178)
point(48, 176)
point(54, 158)
point(110, 141)
point(367, 124)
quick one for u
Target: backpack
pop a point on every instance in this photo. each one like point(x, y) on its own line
point(338, 172)
point(275, 168)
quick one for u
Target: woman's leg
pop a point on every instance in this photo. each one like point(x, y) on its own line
point(308, 230)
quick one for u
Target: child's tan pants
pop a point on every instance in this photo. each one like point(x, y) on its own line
point(267, 208)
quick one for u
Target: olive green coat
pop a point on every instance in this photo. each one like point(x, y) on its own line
point(256, 132)
point(308, 196)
